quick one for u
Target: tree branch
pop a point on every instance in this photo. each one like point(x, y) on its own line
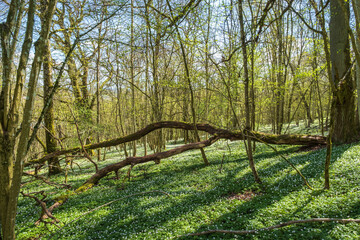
point(254, 231)
point(288, 139)
point(95, 178)
point(45, 212)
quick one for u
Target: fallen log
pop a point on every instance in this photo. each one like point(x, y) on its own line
point(288, 139)
point(131, 161)
point(96, 177)
point(217, 133)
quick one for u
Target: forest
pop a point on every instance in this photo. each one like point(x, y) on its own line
point(179, 119)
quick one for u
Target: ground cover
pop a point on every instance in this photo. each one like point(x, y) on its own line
point(220, 196)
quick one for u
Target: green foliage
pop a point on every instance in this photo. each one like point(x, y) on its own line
point(201, 197)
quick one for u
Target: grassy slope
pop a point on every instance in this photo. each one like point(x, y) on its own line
point(200, 197)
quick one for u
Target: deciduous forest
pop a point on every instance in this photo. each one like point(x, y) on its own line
point(180, 119)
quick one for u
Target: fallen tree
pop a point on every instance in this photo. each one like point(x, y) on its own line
point(307, 140)
point(129, 161)
point(235, 135)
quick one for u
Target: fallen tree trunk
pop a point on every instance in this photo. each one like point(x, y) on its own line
point(289, 139)
point(307, 140)
point(96, 177)
point(218, 134)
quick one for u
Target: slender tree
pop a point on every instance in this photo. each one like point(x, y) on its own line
point(51, 144)
point(247, 95)
point(13, 148)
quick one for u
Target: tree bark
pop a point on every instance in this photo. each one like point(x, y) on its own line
point(356, 6)
point(51, 146)
point(132, 76)
point(9, 181)
point(343, 94)
point(12, 155)
point(280, 77)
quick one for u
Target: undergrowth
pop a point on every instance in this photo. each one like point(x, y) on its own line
point(206, 197)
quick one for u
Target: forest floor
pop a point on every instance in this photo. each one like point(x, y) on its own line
point(220, 196)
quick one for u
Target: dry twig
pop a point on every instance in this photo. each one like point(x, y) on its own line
point(45, 211)
point(57, 185)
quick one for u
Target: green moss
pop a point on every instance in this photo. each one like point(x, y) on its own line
point(84, 187)
point(63, 198)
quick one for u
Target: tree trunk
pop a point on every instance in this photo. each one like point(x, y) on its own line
point(188, 79)
point(133, 110)
point(11, 164)
point(8, 198)
point(356, 4)
point(247, 97)
point(98, 91)
point(51, 145)
point(9, 178)
point(280, 78)
point(343, 94)
point(291, 139)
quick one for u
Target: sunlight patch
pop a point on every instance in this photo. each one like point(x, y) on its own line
point(246, 196)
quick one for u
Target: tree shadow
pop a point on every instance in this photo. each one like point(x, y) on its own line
point(172, 208)
point(256, 211)
point(138, 217)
